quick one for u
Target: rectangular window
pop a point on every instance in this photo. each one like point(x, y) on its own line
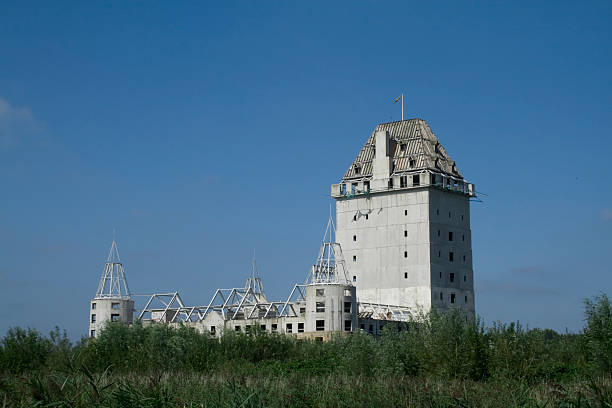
point(438, 232)
point(320, 325)
point(405, 275)
point(92, 333)
point(390, 183)
point(263, 327)
point(463, 237)
point(249, 328)
point(213, 330)
point(416, 180)
point(403, 181)
point(371, 328)
point(302, 310)
point(320, 292)
point(452, 298)
point(433, 179)
point(354, 237)
point(347, 325)
point(405, 254)
point(114, 305)
point(465, 298)
point(347, 307)
point(237, 328)
point(93, 306)
point(402, 147)
point(405, 212)
point(367, 216)
point(405, 233)
point(93, 318)
point(354, 258)
point(300, 327)
point(366, 185)
point(320, 307)
point(463, 258)
point(441, 296)
point(274, 327)
point(412, 162)
point(353, 188)
point(289, 328)
point(450, 235)
point(464, 278)
point(452, 277)
point(354, 278)
point(451, 257)
point(347, 292)
point(440, 275)
point(439, 254)
point(114, 318)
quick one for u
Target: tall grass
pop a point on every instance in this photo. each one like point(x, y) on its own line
point(437, 360)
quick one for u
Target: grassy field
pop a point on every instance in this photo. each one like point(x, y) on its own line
point(438, 361)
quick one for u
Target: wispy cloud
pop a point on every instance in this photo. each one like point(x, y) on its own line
point(606, 214)
point(16, 123)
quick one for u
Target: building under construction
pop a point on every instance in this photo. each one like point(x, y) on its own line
point(401, 244)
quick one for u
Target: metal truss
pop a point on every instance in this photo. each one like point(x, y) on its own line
point(330, 266)
point(113, 284)
point(381, 311)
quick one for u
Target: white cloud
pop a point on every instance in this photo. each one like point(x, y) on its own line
point(16, 123)
point(606, 214)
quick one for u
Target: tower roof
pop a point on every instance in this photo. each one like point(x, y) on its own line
point(113, 283)
point(413, 146)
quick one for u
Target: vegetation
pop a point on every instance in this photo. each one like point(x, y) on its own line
point(438, 361)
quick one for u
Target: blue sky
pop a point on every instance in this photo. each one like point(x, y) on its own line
point(201, 131)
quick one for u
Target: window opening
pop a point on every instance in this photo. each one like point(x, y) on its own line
point(320, 325)
point(451, 256)
point(320, 307)
point(450, 235)
point(300, 327)
point(93, 318)
point(320, 292)
point(289, 328)
point(452, 298)
point(452, 277)
point(114, 305)
point(93, 306)
point(347, 325)
point(416, 180)
point(92, 333)
point(354, 258)
point(114, 318)
point(403, 181)
point(405, 275)
point(347, 307)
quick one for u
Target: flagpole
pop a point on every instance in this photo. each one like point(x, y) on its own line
point(402, 106)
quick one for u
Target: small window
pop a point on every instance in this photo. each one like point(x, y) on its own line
point(403, 147)
point(465, 278)
point(237, 328)
point(347, 293)
point(440, 275)
point(449, 214)
point(405, 212)
point(114, 305)
point(320, 325)
point(347, 325)
point(353, 188)
point(433, 179)
point(462, 218)
point(416, 180)
point(451, 256)
point(450, 235)
point(300, 327)
point(93, 306)
point(405, 254)
point(302, 310)
point(357, 170)
point(452, 277)
point(213, 330)
point(405, 275)
point(438, 232)
point(354, 237)
point(366, 185)
point(114, 318)
point(390, 183)
point(371, 328)
point(403, 181)
point(463, 258)
point(320, 339)
point(354, 278)
point(289, 328)
point(367, 216)
point(347, 307)
point(92, 333)
point(263, 327)
point(354, 258)
point(320, 292)
point(249, 328)
point(93, 318)
point(362, 326)
point(452, 298)
point(439, 254)
point(405, 233)
point(320, 307)
point(354, 217)
point(412, 162)
point(441, 296)
point(438, 212)
point(463, 237)
point(465, 298)
point(274, 327)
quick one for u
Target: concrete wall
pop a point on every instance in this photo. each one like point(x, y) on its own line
point(104, 310)
point(390, 242)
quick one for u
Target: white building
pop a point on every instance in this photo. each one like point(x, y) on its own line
point(112, 301)
point(403, 220)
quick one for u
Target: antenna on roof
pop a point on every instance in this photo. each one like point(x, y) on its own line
point(401, 97)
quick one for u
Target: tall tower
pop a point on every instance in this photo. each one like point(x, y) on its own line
point(112, 301)
point(403, 220)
